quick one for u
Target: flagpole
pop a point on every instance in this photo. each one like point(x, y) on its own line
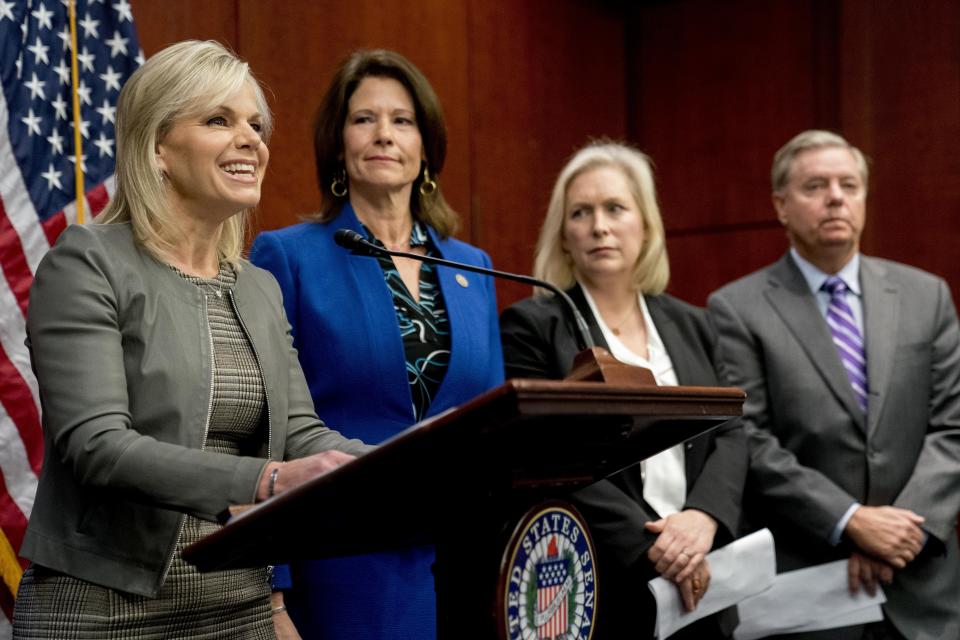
point(77, 119)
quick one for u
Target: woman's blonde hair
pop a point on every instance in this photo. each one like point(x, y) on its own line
point(184, 79)
point(552, 262)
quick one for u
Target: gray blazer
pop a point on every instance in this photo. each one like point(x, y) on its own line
point(122, 352)
point(812, 453)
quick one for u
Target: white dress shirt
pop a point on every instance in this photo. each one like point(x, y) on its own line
point(664, 475)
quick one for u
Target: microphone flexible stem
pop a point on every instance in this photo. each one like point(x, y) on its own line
point(584, 339)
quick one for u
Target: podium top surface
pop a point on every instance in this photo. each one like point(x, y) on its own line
point(526, 436)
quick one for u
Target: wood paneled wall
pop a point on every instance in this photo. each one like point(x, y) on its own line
point(721, 86)
point(710, 90)
point(522, 85)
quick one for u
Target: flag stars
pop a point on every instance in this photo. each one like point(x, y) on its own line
point(36, 87)
point(43, 16)
point(86, 59)
point(123, 11)
point(33, 122)
point(108, 113)
point(39, 51)
point(52, 177)
point(111, 78)
point(89, 26)
point(56, 141)
point(60, 106)
point(117, 44)
point(65, 38)
point(105, 145)
point(84, 128)
point(63, 71)
point(83, 161)
point(84, 92)
point(6, 10)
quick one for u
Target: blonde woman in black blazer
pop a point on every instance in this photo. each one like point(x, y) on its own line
point(602, 240)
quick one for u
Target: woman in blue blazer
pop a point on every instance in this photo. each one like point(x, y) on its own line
point(384, 343)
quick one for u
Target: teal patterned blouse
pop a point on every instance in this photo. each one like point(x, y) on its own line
point(424, 325)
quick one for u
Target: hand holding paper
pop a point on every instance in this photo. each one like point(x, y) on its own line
point(742, 568)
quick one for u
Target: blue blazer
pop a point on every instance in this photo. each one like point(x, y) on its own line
point(345, 329)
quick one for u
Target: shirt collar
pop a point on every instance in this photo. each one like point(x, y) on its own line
point(654, 343)
point(850, 273)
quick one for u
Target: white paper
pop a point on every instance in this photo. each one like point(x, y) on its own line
point(807, 600)
point(741, 569)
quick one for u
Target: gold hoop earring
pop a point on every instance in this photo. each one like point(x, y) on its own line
point(339, 185)
point(428, 187)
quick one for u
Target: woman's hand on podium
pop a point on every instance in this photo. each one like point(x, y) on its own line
point(278, 477)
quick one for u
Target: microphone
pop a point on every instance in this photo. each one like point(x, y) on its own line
point(360, 246)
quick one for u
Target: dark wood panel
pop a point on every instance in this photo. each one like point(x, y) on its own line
point(700, 263)
point(902, 106)
point(162, 23)
point(544, 77)
point(719, 87)
point(295, 47)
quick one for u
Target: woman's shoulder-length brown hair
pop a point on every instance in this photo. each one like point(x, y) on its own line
point(332, 114)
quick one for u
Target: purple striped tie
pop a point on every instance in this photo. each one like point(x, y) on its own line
point(847, 338)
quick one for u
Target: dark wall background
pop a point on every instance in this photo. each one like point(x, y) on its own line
point(709, 89)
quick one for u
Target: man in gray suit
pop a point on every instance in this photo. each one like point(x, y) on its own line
point(851, 366)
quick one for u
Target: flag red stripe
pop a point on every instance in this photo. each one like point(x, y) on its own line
point(6, 601)
point(98, 198)
point(53, 226)
point(14, 261)
point(17, 401)
point(12, 521)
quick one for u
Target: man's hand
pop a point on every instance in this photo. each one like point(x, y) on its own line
point(695, 587)
point(890, 534)
point(864, 571)
point(684, 540)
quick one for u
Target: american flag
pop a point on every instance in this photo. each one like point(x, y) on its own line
point(44, 75)
point(552, 590)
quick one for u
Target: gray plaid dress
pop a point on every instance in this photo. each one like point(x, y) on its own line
point(231, 604)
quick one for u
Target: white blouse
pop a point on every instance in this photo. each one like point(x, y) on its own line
point(664, 475)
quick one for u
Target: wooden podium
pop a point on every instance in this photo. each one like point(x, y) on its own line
point(463, 480)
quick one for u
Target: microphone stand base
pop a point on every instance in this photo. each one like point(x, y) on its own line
point(597, 365)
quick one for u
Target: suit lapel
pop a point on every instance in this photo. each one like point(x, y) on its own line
point(580, 301)
point(688, 371)
point(881, 317)
point(790, 296)
point(674, 341)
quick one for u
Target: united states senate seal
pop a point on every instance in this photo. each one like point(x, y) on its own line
point(548, 578)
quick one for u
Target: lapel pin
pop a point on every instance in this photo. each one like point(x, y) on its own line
point(462, 280)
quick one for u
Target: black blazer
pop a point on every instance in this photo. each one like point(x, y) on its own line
point(539, 342)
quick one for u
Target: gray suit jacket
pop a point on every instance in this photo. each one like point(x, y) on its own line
point(812, 452)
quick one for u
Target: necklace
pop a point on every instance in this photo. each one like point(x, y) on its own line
point(616, 329)
point(216, 287)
